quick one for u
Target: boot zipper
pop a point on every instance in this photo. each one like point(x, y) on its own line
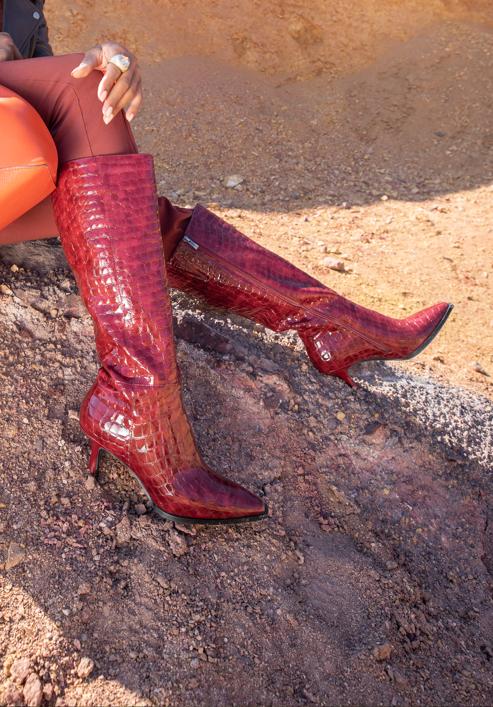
point(191, 243)
point(212, 255)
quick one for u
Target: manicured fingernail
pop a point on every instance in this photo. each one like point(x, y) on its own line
point(108, 110)
point(107, 118)
point(103, 96)
point(81, 66)
point(130, 117)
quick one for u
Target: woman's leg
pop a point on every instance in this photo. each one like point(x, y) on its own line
point(107, 214)
point(69, 107)
point(216, 261)
point(72, 111)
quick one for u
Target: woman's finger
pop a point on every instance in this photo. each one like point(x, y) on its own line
point(90, 61)
point(117, 92)
point(110, 78)
point(127, 98)
point(134, 106)
point(126, 82)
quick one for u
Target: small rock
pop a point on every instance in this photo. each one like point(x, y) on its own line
point(19, 670)
point(340, 415)
point(177, 543)
point(140, 509)
point(14, 268)
point(33, 691)
point(383, 652)
point(85, 667)
point(90, 482)
point(11, 697)
point(48, 691)
point(15, 555)
point(233, 181)
point(334, 264)
point(479, 369)
point(84, 588)
point(5, 289)
point(56, 411)
point(267, 365)
point(187, 529)
point(72, 307)
point(123, 531)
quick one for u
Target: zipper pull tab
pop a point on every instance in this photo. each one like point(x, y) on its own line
point(191, 243)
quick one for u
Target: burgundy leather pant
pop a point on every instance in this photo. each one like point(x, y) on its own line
point(72, 111)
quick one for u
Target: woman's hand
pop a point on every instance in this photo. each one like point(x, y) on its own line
point(116, 90)
point(8, 50)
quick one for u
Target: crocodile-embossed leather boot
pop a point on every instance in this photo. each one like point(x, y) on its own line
point(107, 213)
point(216, 262)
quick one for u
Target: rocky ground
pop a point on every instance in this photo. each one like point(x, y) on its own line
point(371, 581)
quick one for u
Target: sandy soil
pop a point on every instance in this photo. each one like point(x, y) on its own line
point(361, 133)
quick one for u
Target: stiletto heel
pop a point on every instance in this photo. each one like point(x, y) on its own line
point(93, 464)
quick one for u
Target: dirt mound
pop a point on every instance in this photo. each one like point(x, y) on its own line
point(291, 38)
point(370, 582)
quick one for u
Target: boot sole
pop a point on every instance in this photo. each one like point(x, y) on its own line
point(185, 519)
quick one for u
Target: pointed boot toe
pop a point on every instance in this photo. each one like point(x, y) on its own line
point(428, 323)
point(202, 495)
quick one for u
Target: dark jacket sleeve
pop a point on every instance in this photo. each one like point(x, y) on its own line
point(43, 47)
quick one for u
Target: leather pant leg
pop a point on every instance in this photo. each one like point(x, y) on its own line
point(72, 111)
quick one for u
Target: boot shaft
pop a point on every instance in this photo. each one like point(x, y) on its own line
point(107, 212)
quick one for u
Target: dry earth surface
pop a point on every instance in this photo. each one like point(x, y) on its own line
point(362, 132)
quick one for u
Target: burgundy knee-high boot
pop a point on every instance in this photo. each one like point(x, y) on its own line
point(107, 213)
point(216, 262)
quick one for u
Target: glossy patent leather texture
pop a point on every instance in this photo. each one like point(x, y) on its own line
point(28, 157)
point(107, 214)
point(218, 263)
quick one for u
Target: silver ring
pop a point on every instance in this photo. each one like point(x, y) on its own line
point(121, 62)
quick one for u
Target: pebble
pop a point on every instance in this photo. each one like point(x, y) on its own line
point(123, 531)
point(12, 697)
point(140, 509)
point(340, 415)
point(383, 652)
point(177, 543)
point(15, 555)
point(233, 181)
point(334, 264)
point(33, 691)
point(90, 482)
point(19, 670)
point(479, 369)
point(85, 667)
point(187, 529)
point(84, 588)
point(48, 691)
